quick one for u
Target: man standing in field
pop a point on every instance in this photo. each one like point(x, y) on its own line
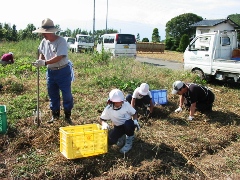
point(53, 53)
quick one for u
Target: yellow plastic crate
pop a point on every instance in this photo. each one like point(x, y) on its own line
point(83, 141)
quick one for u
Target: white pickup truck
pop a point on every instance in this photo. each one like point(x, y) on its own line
point(214, 55)
point(82, 43)
point(70, 41)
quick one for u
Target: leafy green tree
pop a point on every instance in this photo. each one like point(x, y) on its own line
point(169, 43)
point(90, 33)
point(180, 25)
point(184, 42)
point(84, 32)
point(138, 37)
point(68, 32)
point(30, 28)
point(155, 35)
point(27, 33)
point(75, 32)
point(145, 40)
point(236, 19)
point(7, 35)
point(110, 31)
point(2, 32)
point(14, 33)
point(57, 26)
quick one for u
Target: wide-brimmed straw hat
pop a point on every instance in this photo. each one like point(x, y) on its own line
point(46, 27)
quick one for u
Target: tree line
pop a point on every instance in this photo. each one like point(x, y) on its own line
point(8, 33)
point(178, 30)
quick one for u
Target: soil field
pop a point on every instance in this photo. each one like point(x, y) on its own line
point(168, 147)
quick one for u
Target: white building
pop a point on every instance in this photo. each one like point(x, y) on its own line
point(207, 25)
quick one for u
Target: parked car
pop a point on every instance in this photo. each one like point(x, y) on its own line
point(70, 41)
point(82, 43)
point(118, 44)
point(214, 55)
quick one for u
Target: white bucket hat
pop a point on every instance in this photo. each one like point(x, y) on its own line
point(46, 27)
point(144, 88)
point(116, 95)
point(177, 85)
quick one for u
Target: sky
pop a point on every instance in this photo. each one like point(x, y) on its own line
point(126, 16)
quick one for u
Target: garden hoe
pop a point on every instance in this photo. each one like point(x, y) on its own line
point(37, 112)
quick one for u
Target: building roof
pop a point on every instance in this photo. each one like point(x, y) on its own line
point(213, 22)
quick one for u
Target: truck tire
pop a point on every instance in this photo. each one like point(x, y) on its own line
point(199, 73)
point(202, 76)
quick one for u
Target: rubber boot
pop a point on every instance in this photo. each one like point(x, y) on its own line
point(128, 144)
point(55, 116)
point(121, 141)
point(68, 116)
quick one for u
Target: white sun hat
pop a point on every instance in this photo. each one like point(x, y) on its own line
point(144, 89)
point(116, 95)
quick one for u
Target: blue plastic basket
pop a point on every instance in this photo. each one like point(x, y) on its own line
point(159, 97)
point(236, 58)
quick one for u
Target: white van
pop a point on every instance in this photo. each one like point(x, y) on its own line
point(118, 44)
point(70, 41)
point(82, 43)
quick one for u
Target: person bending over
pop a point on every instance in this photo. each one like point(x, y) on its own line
point(141, 98)
point(193, 97)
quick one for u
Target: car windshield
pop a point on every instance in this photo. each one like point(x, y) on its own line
point(71, 40)
point(85, 39)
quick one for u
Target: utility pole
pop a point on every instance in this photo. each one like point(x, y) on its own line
point(106, 16)
point(93, 22)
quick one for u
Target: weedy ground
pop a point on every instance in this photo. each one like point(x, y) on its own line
point(167, 146)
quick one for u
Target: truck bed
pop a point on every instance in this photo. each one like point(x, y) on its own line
point(227, 60)
point(226, 65)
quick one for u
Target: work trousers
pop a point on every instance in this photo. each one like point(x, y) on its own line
point(60, 80)
point(118, 131)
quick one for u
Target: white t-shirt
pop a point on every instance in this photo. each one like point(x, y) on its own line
point(118, 117)
point(55, 48)
point(136, 94)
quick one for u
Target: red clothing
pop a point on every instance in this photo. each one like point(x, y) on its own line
point(7, 57)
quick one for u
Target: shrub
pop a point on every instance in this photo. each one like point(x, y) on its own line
point(184, 42)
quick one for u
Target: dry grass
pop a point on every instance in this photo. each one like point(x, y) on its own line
point(167, 146)
point(167, 55)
